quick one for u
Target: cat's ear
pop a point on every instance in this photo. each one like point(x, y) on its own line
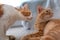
point(26, 6)
point(39, 8)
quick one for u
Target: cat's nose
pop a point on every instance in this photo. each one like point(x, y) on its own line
point(29, 18)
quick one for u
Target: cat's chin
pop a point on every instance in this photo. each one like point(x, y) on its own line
point(46, 37)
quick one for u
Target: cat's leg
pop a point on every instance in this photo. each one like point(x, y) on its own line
point(2, 33)
point(29, 36)
point(37, 34)
point(5, 23)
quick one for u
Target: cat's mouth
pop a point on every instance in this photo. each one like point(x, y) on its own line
point(47, 18)
point(29, 18)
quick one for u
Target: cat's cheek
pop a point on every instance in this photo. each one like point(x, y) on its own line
point(28, 19)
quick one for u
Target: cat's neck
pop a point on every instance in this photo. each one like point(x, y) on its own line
point(40, 24)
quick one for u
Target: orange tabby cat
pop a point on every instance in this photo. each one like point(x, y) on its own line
point(52, 30)
point(41, 21)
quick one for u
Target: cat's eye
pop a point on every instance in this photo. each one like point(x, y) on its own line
point(47, 11)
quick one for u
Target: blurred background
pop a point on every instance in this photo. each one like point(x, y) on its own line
point(16, 28)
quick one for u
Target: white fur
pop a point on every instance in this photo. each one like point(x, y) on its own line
point(9, 17)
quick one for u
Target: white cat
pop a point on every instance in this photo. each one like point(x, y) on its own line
point(8, 15)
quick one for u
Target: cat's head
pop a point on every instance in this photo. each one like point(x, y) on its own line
point(46, 37)
point(25, 12)
point(45, 14)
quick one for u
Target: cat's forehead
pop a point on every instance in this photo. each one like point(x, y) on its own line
point(47, 10)
point(26, 13)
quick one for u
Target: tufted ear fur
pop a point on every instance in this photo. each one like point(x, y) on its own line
point(39, 8)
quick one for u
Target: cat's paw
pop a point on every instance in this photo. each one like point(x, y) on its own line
point(11, 37)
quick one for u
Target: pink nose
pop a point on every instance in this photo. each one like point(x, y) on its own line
point(29, 18)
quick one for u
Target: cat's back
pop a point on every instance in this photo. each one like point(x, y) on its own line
point(51, 24)
point(9, 12)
